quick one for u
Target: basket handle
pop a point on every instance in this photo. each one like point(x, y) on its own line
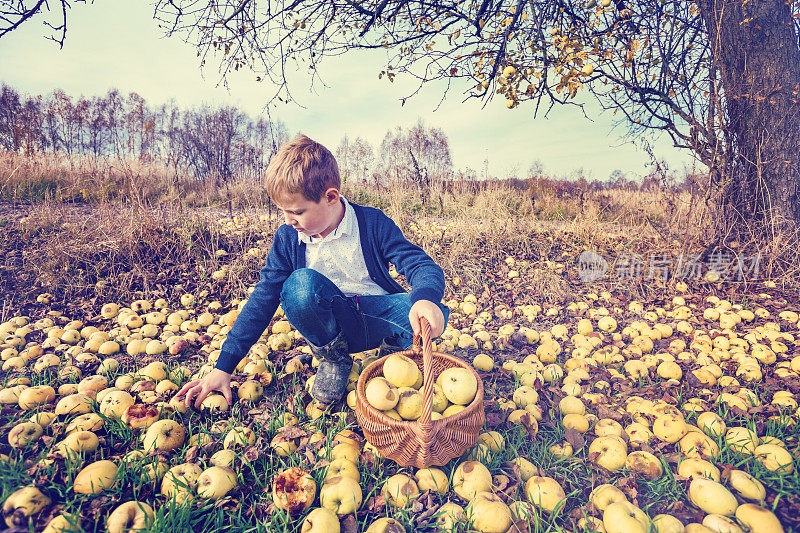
point(424, 339)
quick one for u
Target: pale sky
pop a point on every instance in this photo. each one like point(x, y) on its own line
point(117, 44)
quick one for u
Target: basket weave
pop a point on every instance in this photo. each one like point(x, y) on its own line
point(421, 443)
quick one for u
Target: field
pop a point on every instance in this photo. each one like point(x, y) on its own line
point(644, 364)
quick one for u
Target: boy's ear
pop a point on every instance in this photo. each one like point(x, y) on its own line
point(332, 195)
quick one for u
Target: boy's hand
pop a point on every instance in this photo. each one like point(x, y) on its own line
point(215, 380)
point(432, 312)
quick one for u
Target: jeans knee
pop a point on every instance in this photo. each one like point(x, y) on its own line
point(299, 289)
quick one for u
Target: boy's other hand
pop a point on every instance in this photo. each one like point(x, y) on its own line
point(431, 312)
point(216, 380)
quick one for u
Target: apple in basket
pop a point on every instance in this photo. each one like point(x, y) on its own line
point(459, 385)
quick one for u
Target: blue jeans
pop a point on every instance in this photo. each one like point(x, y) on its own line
point(320, 311)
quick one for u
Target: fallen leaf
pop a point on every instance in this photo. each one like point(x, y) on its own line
point(349, 524)
point(574, 437)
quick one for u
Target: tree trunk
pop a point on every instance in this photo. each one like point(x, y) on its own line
point(755, 50)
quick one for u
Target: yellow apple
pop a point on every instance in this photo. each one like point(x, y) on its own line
point(604, 495)
point(624, 517)
point(400, 490)
point(545, 493)
point(409, 404)
point(36, 396)
point(756, 518)
point(774, 458)
point(64, 523)
point(669, 428)
point(470, 478)
point(611, 452)
point(488, 513)
point(342, 495)
point(114, 404)
point(74, 404)
point(711, 424)
point(95, 478)
point(665, 523)
point(720, 523)
point(712, 497)
point(385, 525)
point(165, 435)
point(746, 485)
point(698, 445)
point(459, 385)
point(86, 422)
point(179, 482)
point(381, 394)
point(400, 370)
point(606, 427)
point(694, 468)
point(342, 467)
point(321, 520)
point(216, 482)
point(131, 515)
point(432, 479)
point(24, 433)
point(239, 436)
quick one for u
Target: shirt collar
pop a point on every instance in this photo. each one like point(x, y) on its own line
point(348, 226)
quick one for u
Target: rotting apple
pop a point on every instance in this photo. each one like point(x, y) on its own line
point(470, 478)
point(645, 464)
point(24, 434)
point(138, 415)
point(400, 490)
point(23, 503)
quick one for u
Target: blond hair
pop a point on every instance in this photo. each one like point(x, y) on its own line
point(302, 166)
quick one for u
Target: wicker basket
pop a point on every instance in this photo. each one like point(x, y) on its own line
point(421, 443)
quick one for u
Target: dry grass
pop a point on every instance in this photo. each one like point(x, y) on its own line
point(131, 228)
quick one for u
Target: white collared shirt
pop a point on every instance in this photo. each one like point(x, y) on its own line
point(338, 256)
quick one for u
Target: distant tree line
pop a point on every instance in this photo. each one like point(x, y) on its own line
point(224, 143)
point(205, 143)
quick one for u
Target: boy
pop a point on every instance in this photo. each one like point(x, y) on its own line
point(328, 268)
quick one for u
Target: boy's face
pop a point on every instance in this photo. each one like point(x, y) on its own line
point(316, 219)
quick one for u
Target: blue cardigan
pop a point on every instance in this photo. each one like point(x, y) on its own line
point(382, 242)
